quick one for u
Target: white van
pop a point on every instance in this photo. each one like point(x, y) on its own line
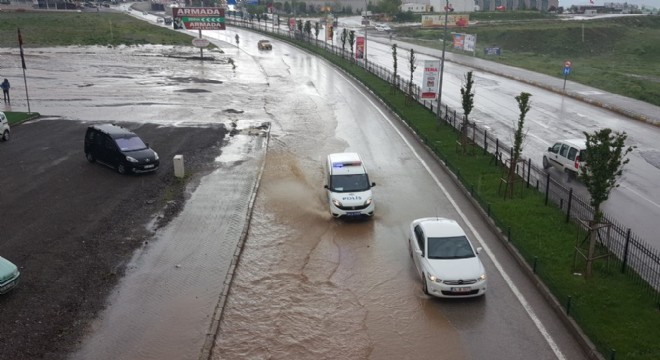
point(348, 186)
point(567, 156)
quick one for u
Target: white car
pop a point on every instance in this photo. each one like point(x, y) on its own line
point(4, 127)
point(382, 27)
point(445, 259)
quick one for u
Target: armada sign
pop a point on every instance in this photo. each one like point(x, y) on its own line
point(211, 18)
point(198, 12)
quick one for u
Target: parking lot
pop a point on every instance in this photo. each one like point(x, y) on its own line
point(71, 226)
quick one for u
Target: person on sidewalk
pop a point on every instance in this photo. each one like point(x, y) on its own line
point(5, 91)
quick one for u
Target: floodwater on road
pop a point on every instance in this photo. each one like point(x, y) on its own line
point(307, 286)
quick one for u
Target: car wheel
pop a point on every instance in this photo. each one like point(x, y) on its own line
point(90, 157)
point(569, 175)
point(121, 169)
point(425, 287)
point(5, 135)
point(546, 164)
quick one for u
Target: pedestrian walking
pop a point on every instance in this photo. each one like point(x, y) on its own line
point(5, 91)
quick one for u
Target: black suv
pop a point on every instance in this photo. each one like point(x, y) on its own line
point(119, 148)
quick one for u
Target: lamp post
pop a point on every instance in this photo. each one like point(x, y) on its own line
point(442, 62)
point(366, 7)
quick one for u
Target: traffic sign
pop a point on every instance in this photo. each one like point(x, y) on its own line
point(568, 64)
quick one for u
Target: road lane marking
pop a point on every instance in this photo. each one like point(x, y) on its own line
point(530, 312)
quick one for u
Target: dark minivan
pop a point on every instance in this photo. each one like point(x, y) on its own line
point(120, 149)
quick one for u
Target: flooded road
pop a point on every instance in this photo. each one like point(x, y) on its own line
point(307, 286)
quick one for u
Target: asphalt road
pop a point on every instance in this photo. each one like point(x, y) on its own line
point(71, 226)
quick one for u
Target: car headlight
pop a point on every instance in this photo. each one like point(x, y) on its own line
point(434, 278)
point(482, 277)
point(156, 155)
point(368, 202)
point(131, 159)
point(336, 202)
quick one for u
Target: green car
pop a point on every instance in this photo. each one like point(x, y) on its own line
point(9, 275)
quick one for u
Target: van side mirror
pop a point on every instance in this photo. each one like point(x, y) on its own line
point(479, 250)
point(373, 184)
point(325, 186)
point(550, 148)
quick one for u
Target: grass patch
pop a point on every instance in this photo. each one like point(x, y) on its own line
point(44, 29)
point(14, 117)
point(618, 55)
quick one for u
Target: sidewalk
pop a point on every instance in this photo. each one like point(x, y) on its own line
point(631, 108)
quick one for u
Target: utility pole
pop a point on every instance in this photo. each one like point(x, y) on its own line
point(442, 62)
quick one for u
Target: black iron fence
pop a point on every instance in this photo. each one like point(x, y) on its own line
point(631, 254)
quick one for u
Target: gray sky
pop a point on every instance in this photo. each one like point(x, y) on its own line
point(652, 3)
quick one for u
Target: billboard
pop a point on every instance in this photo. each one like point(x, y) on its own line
point(199, 18)
point(438, 21)
point(467, 42)
point(430, 80)
point(359, 47)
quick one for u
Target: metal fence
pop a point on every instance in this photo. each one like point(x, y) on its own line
point(631, 255)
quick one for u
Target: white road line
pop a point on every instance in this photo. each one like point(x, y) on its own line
point(505, 276)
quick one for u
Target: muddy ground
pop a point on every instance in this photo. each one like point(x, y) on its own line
point(72, 226)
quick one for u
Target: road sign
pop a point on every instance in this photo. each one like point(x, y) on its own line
point(567, 71)
point(567, 64)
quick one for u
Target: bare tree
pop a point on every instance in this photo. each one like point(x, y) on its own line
point(317, 29)
point(518, 137)
point(395, 65)
point(351, 41)
point(467, 96)
point(411, 59)
point(342, 38)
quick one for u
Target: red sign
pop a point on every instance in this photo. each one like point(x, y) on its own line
point(568, 63)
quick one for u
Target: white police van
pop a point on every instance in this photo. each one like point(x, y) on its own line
point(348, 187)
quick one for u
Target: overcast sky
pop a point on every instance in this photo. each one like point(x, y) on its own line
point(652, 3)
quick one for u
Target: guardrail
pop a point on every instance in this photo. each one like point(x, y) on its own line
point(632, 255)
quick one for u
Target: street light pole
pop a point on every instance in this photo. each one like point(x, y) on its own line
point(366, 6)
point(442, 62)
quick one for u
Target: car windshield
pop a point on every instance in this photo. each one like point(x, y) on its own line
point(132, 143)
point(349, 183)
point(456, 247)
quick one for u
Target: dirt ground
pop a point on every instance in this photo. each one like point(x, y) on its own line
point(72, 226)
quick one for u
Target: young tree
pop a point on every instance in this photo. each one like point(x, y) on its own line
point(351, 41)
point(395, 65)
point(605, 157)
point(467, 96)
point(523, 105)
point(300, 25)
point(342, 38)
point(411, 59)
point(308, 28)
point(317, 29)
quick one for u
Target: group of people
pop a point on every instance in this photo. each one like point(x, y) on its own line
point(5, 91)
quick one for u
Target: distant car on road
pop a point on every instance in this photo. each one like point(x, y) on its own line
point(382, 27)
point(264, 45)
point(4, 127)
point(445, 259)
point(9, 275)
point(120, 149)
